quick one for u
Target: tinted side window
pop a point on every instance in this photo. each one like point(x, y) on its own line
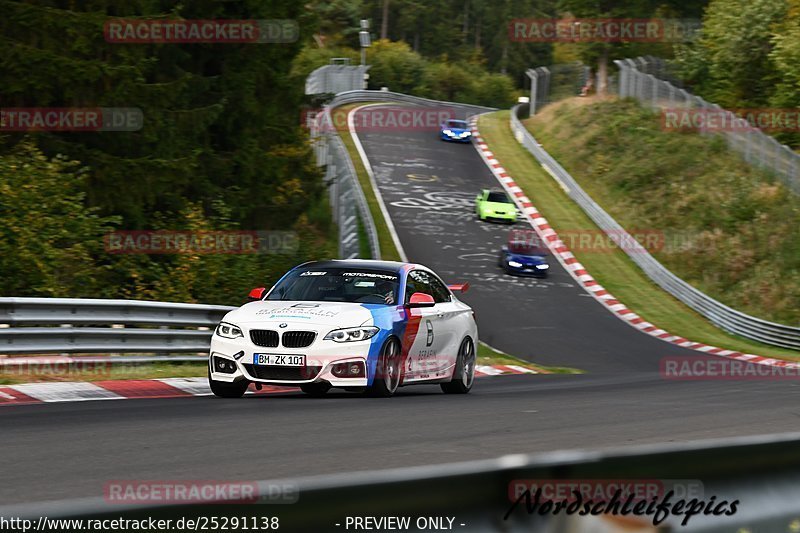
point(418, 281)
point(440, 292)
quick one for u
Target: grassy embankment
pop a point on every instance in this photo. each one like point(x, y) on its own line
point(739, 224)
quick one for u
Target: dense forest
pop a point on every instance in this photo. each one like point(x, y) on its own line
point(222, 148)
point(747, 57)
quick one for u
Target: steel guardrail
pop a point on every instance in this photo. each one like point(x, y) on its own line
point(716, 312)
point(132, 326)
point(350, 97)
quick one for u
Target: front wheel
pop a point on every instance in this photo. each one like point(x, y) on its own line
point(228, 390)
point(464, 372)
point(387, 373)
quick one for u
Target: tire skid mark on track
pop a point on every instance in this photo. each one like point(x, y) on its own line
point(584, 279)
point(75, 391)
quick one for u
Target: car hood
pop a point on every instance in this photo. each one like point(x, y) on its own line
point(498, 206)
point(528, 259)
point(457, 130)
point(334, 314)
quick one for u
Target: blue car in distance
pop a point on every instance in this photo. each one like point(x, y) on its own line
point(525, 258)
point(455, 130)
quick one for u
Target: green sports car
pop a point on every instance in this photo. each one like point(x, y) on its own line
point(495, 205)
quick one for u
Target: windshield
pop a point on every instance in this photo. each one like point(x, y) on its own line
point(460, 124)
point(498, 197)
point(338, 285)
point(526, 248)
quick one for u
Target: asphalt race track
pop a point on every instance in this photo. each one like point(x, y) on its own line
point(429, 188)
point(58, 451)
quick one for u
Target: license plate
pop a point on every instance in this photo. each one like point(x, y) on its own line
point(278, 360)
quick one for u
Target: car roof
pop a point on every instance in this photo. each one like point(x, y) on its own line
point(391, 266)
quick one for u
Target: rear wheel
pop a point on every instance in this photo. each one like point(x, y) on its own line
point(317, 390)
point(464, 373)
point(228, 390)
point(387, 373)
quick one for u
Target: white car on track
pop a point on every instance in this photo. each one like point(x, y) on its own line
point(360, 325)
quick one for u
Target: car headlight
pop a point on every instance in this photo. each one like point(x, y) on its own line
point(447, 132)
point(466, 134)
point(542, 267)
point(352, 334)
point(514, 264)
point(229, 331)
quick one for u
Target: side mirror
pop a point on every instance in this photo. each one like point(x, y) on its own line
point(420, 299)
point(257, 293)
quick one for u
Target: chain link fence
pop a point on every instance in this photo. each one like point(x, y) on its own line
point(640, 79)
point(556, 82)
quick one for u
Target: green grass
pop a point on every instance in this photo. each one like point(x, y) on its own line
point(388, 249)
point(731, 230)
point(102, 372)
point(613, 269)
point(489, 356)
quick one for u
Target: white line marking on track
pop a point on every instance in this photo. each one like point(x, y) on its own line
point(65, 392)
point(368, 167)
point(194, 386)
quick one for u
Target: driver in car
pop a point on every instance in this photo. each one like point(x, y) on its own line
point(386, 290)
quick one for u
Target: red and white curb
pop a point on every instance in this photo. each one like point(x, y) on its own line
point(80, 391)
point(584, 279)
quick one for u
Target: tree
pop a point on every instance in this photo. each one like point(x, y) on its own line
point(213, 112)
point(394, 65)
point(51, 244)
point(785, 56)
point(733, 63)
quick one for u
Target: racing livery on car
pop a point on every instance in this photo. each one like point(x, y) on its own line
point(495, 205)
point(354, 324)
point(455, 130)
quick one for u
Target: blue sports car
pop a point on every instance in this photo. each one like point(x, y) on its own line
point(455, 130)
point(525, 258)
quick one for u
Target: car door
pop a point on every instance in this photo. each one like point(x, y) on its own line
point(423, 341)
point(450, 326)
point(478, 201)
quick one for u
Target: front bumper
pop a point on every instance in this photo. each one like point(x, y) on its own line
point(494, 217)
point(466, 139)
point(532, 272)
point(321, 356)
